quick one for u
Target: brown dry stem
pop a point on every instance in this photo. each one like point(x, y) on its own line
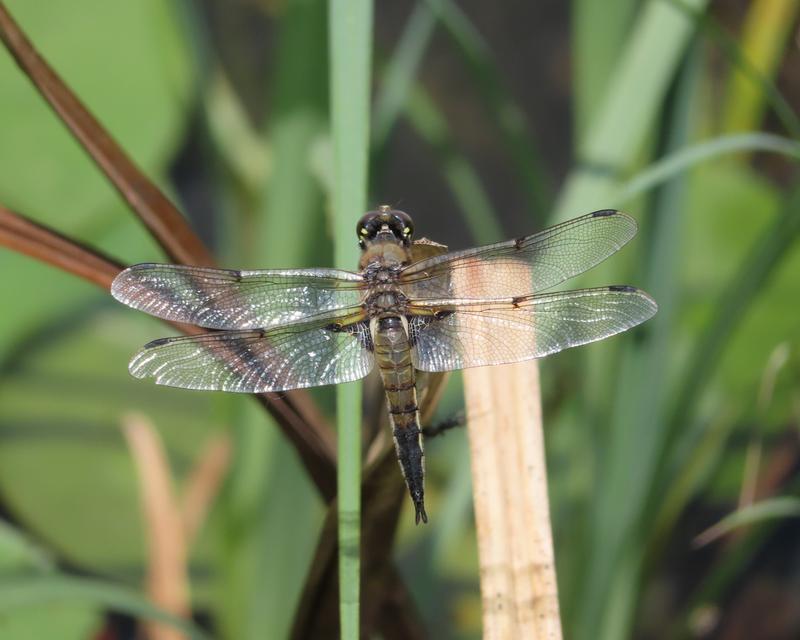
point(159, 215)
point(295, 413)
point(34, 240)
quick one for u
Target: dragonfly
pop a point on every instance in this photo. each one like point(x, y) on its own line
point(411, 307)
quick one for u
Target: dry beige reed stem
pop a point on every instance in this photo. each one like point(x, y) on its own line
point(204, 482)
point(515, 547)
point(167, 580)
point(172, 525)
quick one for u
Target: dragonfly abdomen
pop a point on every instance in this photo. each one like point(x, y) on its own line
point(393, 355)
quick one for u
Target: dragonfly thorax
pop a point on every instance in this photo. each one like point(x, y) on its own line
point(386, 301)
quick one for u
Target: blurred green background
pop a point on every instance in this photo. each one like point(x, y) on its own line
point(490, 120)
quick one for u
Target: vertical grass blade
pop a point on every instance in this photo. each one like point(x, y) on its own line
point(401, 71)
point(349, 23)
point(296, 122)
point(595, 51)
point(632, 102)
point(637, 419)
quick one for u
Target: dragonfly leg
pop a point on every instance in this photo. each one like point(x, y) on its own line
point(441, 427)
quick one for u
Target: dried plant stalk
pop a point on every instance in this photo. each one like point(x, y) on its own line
point(204, 483)
point(167, 577)
point(515, 547)
point(294, 411)
point(37, 241)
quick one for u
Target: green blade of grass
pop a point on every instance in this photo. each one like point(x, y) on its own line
point(400, 72)
point(741, 290)
point(462, 179)
point(20, 592)
point(595, 51)
point(235, 141)
point(681, 160)
point(731, 566)
point(637, 425)
point(398, 95)
point(689, 481)
point(350, 29)
point(504, 111)
point(634, 97)
point(296, 122)
point(780, 507)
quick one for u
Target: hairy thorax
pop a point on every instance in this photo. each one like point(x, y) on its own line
point(381, 265)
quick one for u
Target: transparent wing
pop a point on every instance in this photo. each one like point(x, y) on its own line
point(523, 328)
point(522, 266)
point(223, 299)
point(292, 357)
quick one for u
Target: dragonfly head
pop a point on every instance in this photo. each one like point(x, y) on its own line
point(384, 225)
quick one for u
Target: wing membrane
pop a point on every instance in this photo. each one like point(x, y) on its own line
point(224, 299)
point(293, 357)
point(522, 266)
point(522, 329)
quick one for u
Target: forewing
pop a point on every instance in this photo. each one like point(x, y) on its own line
point(224, 299)
point(523, 329)
point(522, 266)
point(293, 357)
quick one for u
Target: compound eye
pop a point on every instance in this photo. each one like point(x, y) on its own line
point(363, 231)
point(407, 231)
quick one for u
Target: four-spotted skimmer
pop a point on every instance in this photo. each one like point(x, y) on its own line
point(290, 329)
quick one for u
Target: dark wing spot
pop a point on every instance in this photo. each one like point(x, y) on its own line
point(623, 287)
point(156, 343)
point(603, 213)
point(516, 300)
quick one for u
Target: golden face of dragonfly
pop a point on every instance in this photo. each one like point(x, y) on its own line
point(297, 328)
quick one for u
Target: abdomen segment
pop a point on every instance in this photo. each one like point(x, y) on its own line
point(393, 355)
